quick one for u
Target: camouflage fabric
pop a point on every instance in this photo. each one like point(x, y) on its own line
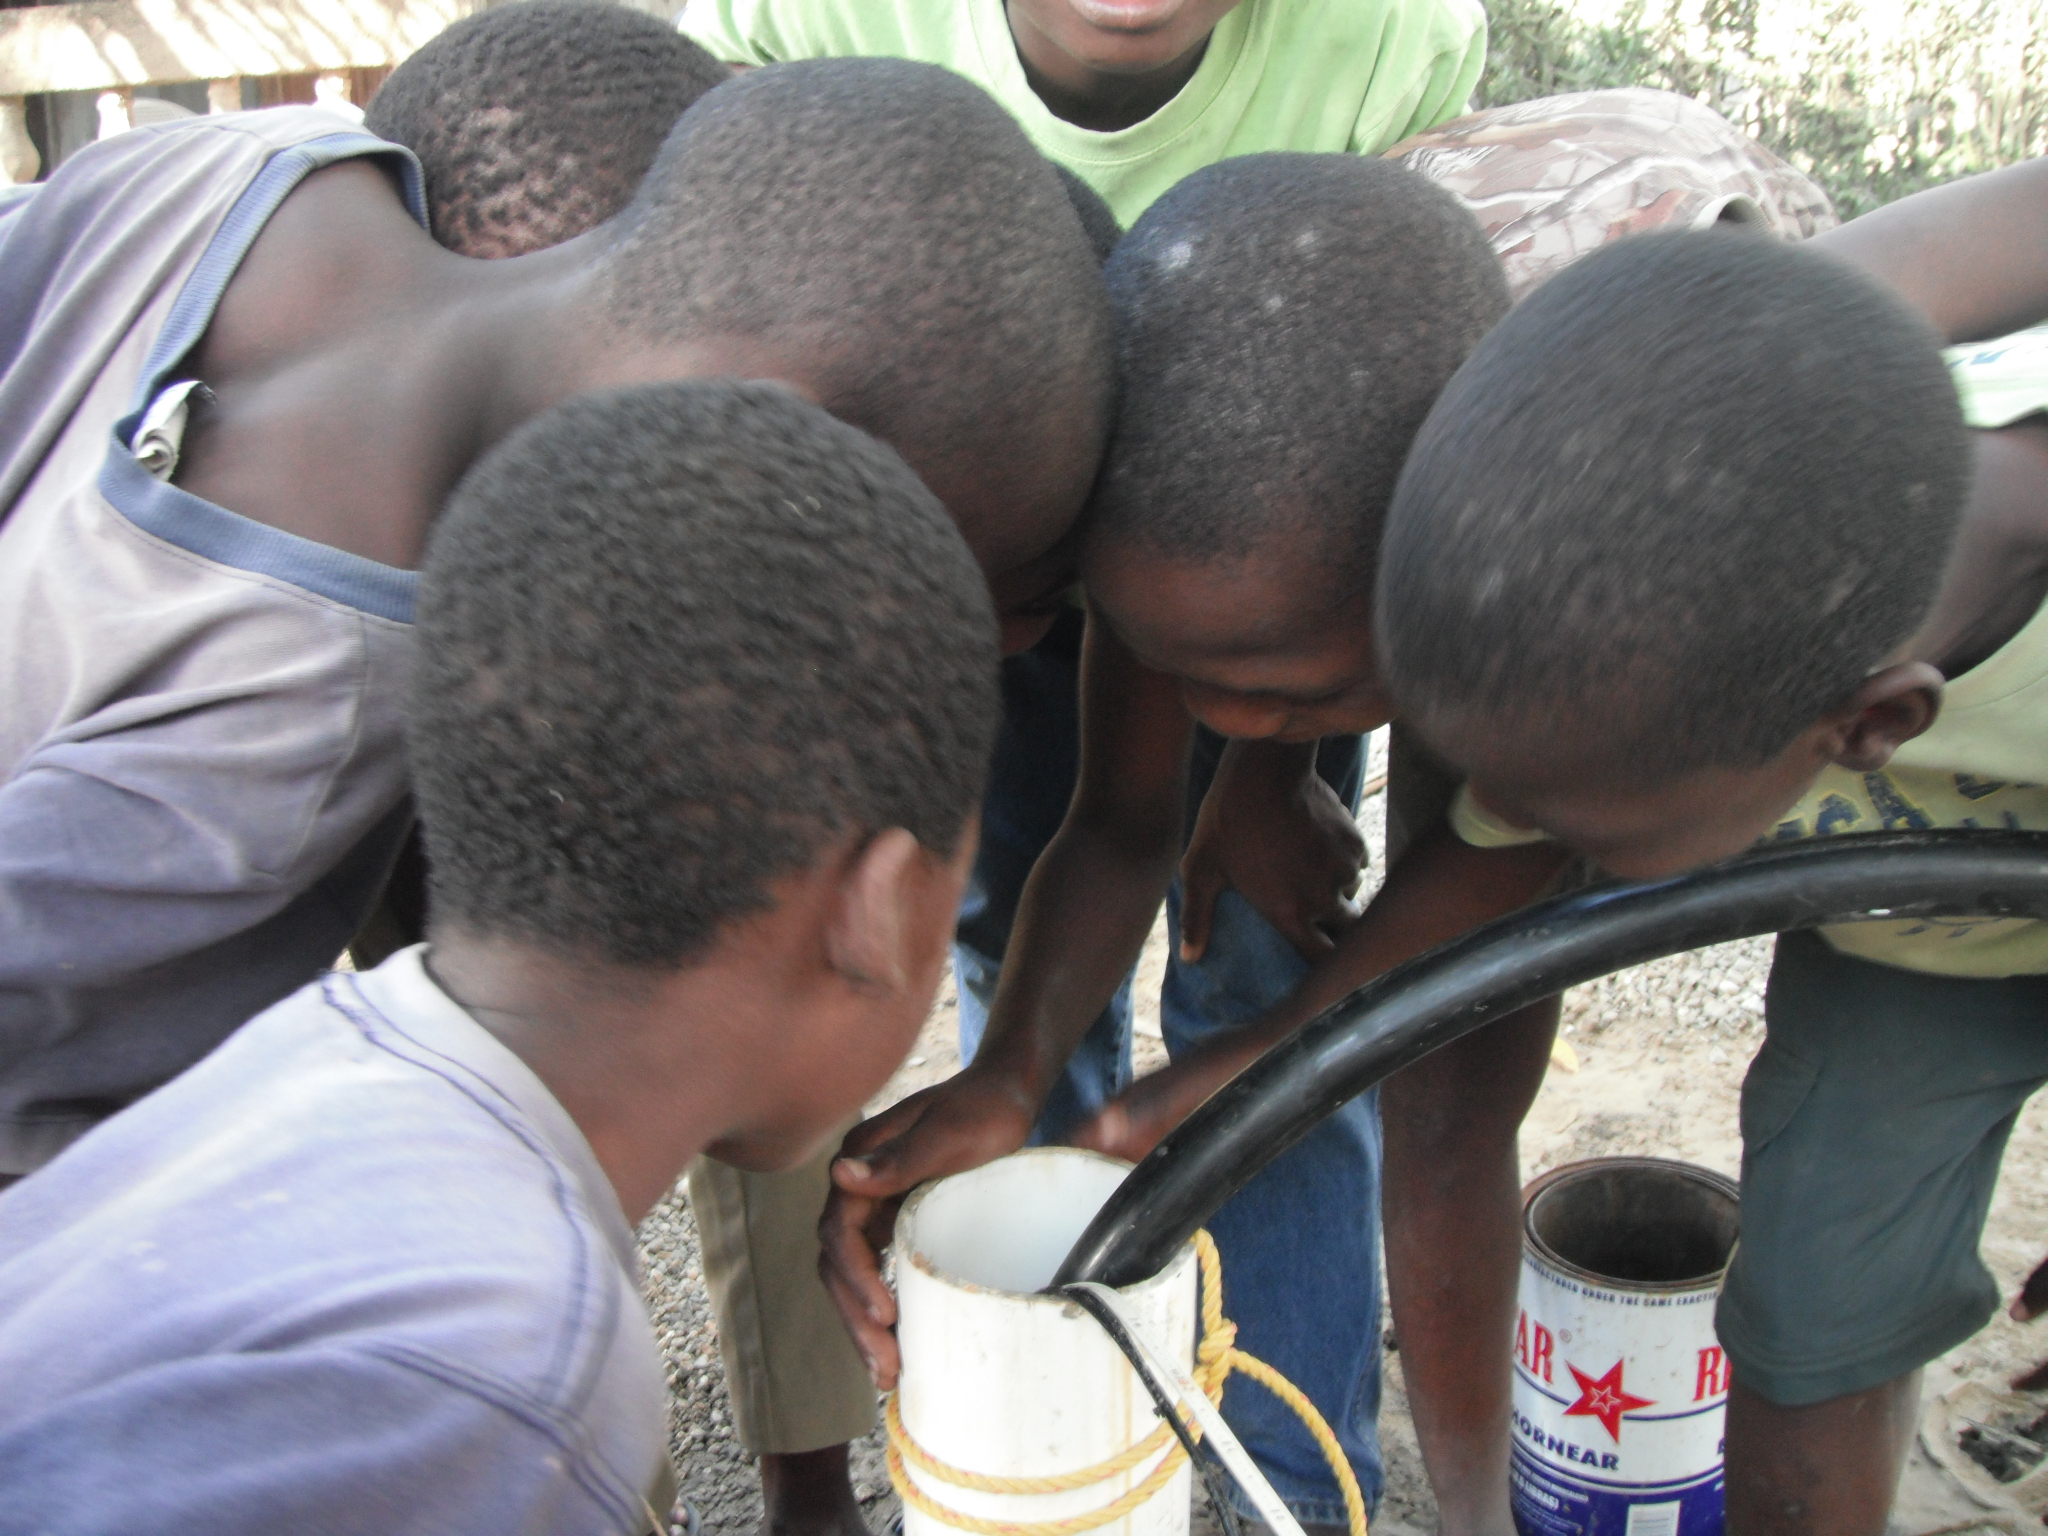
point(1557, 177)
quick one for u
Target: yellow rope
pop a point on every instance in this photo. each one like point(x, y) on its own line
point(1216, 1356)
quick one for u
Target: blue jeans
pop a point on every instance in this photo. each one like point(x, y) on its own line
point(1300, 1243)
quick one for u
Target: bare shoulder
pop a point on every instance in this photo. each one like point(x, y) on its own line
point(315, 424)
point(328, 261)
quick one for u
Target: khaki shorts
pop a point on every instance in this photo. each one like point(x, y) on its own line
point(797, 1383)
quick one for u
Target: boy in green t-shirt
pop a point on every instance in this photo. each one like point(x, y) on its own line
point(1219, 291)
point(1132, 95)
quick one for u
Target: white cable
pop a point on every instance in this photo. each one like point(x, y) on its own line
point(1174, 1380)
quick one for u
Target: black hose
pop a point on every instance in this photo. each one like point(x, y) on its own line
point(1521, 959)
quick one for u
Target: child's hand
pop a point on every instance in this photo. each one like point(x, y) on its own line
point(1275, 833)
point(1137, 1120)
point(969, 1120)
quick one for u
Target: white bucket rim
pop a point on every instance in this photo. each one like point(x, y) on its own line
point(907, 1252)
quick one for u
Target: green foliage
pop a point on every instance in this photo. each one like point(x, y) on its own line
point(1872, 100)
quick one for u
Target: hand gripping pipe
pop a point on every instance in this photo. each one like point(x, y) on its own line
point(1506, 965)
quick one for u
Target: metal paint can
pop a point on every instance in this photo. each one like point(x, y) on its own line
point(1621, 1387)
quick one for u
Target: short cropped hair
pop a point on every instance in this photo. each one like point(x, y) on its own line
point(1098, 221)
point(674, 641)
point(1679, 504)
point(891, 219)
point(1284, 322)
point(534, 121)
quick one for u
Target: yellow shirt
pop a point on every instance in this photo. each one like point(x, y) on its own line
point(1984, 762)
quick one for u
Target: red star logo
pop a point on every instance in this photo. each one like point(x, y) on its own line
point(1604, 1399)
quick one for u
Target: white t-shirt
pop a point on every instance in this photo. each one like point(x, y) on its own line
point(357, 1271)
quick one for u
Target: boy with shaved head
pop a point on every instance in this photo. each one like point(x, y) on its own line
point(704, 690)
point(1226, 446)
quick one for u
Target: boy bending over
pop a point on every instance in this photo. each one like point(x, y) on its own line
point(1730, 567)
point(231, 416)
point(706, 683)
point(533, 122)
point(1284, 323)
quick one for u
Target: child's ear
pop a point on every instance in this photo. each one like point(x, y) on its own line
point(1892, 707)
point(874, 940)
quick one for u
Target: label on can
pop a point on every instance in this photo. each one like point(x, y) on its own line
point(1620, 1401)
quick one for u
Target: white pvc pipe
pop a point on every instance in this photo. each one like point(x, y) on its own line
point(1003, 1381)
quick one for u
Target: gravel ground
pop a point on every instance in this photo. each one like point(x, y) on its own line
point(1660, 1052)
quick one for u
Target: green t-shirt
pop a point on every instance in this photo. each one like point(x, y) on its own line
point(1331, 75)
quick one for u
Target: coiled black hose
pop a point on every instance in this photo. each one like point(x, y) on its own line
point(1506, 965)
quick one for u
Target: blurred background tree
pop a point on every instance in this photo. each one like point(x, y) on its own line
point(1872, 100)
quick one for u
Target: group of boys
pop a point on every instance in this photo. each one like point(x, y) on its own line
point(314, 527)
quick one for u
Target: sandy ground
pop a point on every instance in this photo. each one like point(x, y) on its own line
point(1660, 1052)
